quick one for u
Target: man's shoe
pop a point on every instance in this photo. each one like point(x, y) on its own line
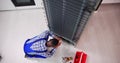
point(26, 56)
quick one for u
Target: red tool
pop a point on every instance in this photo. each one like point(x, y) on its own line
point(80, 57)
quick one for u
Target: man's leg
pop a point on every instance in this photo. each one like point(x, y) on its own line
point(34, 56)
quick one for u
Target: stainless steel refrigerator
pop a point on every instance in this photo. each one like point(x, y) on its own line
point(67, 18)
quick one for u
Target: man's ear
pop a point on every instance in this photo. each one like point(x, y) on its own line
point(60, 41)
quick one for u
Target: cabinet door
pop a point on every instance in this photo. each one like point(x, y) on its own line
point(67, 18)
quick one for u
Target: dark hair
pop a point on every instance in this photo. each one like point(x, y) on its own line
point(54, 42)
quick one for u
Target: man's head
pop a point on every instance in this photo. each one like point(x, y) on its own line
point(52, 43)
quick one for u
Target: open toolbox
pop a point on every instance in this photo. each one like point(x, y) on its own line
point(79, 57)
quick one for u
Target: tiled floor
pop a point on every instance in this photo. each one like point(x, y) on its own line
point(16, 27)
point(101, 36)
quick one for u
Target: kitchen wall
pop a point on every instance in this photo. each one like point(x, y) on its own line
point(8, 5)
point(111, 1)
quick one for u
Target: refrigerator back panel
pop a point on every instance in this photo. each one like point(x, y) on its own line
point(67, 18)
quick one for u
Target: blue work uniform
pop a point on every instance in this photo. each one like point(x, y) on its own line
point(36, 46)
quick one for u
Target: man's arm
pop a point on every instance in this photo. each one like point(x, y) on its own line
point(59, 39)
point(50, 53)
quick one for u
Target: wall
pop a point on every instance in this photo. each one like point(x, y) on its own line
point(111, 1)
point(8, 5)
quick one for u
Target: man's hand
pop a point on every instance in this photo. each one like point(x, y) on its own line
point(60, 41)
point(58, 38)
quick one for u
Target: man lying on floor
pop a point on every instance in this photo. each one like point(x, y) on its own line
point(41, 46)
